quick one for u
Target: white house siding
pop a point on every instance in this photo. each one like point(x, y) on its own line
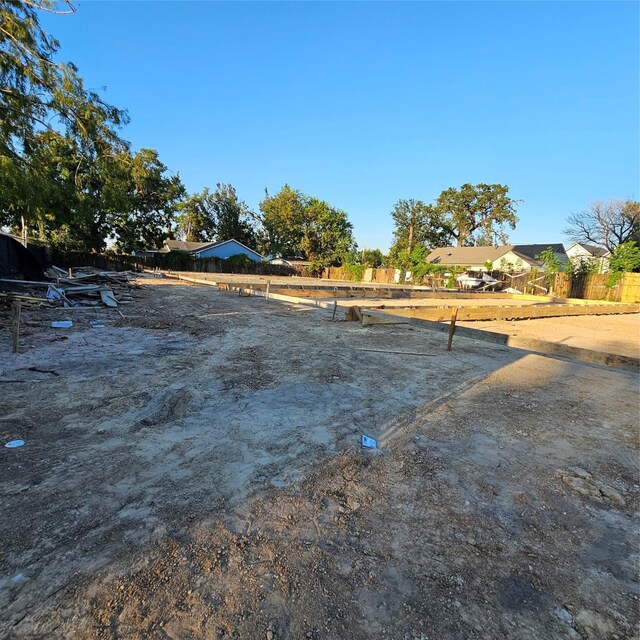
point(514, 262)
point(577, 254)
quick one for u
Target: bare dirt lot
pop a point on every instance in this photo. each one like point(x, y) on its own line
point(194, 471)
point(613, 334)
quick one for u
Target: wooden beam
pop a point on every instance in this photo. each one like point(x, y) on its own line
point(368, 318)
point(590, 356)
point(443, 314)
point(398, 353)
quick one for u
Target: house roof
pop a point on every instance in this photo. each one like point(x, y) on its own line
point(596, 252)
point(211, 245)
point(480, 255)
point(466, 255)
point(197, 247)
point(180, 245)
point(533, 250)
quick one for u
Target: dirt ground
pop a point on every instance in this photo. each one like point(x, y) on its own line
point(613, 334)
point(194, 471)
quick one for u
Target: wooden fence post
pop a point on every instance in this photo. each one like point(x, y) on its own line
point(15, 325)
point(452, 327)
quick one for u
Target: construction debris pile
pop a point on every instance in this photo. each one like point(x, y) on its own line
point(80, 287)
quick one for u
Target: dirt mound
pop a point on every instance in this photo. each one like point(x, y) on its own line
point(173, 404)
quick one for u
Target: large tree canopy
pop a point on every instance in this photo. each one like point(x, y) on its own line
point(152, 199)
point(477, 214)
point(417, 224)
point(233, 218)
point(197, 218)
point(606, 224)
point(295, 225)
point(39, 93)
point(66, 174)
point(470, 215)
point(217, 216)
point(282, 221)
point(327, 234)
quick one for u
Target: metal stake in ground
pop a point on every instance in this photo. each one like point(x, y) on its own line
point(452, 327)
point(15, 325)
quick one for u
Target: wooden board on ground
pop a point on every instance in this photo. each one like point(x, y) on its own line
point(442, 314)
point(108, 298)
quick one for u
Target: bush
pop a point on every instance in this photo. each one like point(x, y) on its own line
point(240, 260)
point(624, 259)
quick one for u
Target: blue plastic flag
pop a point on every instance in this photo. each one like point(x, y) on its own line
point(368, 442)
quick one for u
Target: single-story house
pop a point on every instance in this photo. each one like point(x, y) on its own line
point(580, 253)
point(224, 249)
point(510, 257)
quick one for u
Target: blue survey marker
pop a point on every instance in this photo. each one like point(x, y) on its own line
point(368, 442)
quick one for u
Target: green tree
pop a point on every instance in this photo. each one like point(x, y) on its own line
point(551, 262)
point(153, 196)
point(295, 225)
point(282, 221)
point(327, 234)
point(372, 258)
point(39, 94)
point(582, 266)
point(197, 217)
point(63, 198)
point(477, 213)
point(625, 258)
point(233, 218)
point(417, 224)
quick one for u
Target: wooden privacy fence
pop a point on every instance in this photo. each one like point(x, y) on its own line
point(358, 273)
point(589, 287)
point(630, 288)
point(175, 261)
point(595, 286)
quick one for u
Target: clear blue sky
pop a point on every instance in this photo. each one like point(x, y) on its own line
point(361, 104)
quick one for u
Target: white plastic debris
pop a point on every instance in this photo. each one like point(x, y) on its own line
point(62, 324)
point(14, 444)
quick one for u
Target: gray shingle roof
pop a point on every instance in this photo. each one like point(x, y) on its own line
point(480, 255)
point(596, 252)
point(466, 255)
point(181, 245)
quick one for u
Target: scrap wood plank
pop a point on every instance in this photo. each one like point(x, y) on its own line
point(108, 298)
point(399, 353)
point(26, 282)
